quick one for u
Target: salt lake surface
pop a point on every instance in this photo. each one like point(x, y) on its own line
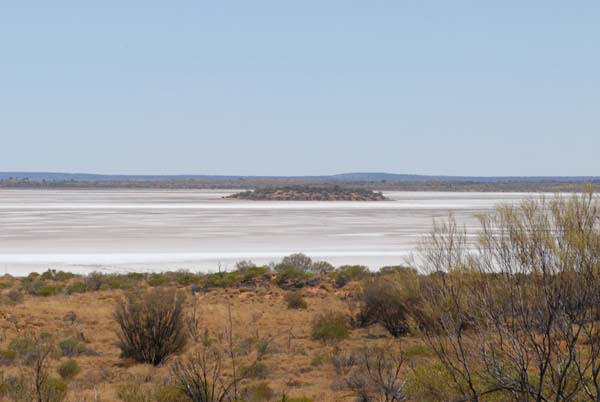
point(149, 230)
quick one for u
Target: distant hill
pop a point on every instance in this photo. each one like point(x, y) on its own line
point(374, 177)
point(54, 176)
point(367, 181)
point(344, 177)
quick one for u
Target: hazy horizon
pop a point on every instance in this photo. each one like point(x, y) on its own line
point(5, 174)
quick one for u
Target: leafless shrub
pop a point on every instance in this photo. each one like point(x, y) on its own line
point(193, 322)
point(202, 378)
point(377, 377)
point(231, 351)
point(151, 325)
point(70, 317)
point(343, 363)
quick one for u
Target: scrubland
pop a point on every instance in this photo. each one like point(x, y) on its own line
point(291, 361)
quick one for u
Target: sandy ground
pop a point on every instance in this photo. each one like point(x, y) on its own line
point(261, 313)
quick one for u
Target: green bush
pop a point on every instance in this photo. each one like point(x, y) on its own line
point(22, 346)
point(222, 279)
point(319, 360)
point(254, 272)
point(59, 276)
point(430, 383)
point(354, 271)
point(70, 347)
point(122, 282)
point(257, 370)
point(47, 289)
point(169, 393)
point(418, 350)
point(330, 327)
point(41, 287)
point(260, 392)
point(186, 278)
point(287, 274)
point(4, 388)
point(295, 301)
point(301, 399)
point(135, 392)
point(7, 357)
point(157, 280)
point(398, 269)
point(135, 276)
point(76, 287)
point(53, 390)
point(69, 369)
point(349, 273)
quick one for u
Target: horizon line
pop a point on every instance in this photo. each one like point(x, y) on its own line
point(4, 174)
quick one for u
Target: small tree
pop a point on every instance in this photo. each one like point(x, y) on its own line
point(514, 313)
point(295, 261)
point(322, 267)
point(151, 325)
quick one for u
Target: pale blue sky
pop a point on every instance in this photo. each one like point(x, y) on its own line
point(301, 87)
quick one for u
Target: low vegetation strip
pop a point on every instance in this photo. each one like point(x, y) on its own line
point(522, 185)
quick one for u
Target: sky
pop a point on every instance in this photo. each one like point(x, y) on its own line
point(482, 88)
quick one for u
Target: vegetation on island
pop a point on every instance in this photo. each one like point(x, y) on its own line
point(512, 314)
point(309, 193)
